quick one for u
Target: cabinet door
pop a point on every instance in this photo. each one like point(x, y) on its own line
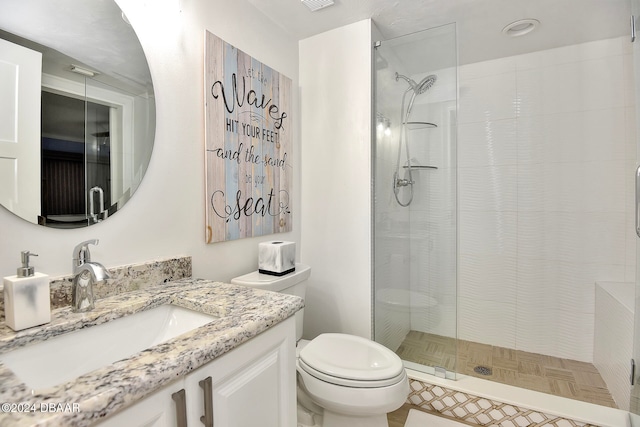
point(253, 385)
point(156, 410)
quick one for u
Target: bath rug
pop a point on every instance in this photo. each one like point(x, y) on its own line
point(422, 419)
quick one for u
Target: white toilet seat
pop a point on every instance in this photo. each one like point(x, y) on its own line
point(345, 382)
point(351, 361)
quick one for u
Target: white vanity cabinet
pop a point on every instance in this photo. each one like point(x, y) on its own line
point(156, 410)
point(251, 385)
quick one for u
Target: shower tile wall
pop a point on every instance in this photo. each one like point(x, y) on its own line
point(433, 211)
point(546, 157)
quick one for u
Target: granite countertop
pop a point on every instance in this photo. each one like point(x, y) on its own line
point(242, 314)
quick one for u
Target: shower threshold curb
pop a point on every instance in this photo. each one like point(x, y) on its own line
point(541, 402)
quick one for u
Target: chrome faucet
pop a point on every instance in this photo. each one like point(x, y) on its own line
point(85, 274)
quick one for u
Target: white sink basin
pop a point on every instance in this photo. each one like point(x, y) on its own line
point(65, 357)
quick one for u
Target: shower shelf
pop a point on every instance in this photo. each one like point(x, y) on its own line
point(420, 125)
point(420, 167)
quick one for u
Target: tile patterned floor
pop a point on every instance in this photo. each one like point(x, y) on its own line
point(398, 417)
point(477, 411)
point(547, 374)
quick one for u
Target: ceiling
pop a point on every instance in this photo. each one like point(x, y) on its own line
point(479, 26)
point(479, 22)
point(91, 34)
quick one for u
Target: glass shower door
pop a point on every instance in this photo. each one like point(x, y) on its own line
point(634, 405)
point(415, 198)
point(97, 161)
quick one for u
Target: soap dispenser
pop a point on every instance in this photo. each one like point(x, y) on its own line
point(26, 297)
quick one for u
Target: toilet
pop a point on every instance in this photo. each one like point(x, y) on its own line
point(343, 380)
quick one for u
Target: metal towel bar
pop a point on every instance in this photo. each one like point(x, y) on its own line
point(420, 167)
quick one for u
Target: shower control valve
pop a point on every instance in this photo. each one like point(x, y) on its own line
point(402, 182)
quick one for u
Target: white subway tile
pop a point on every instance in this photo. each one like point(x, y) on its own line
point(487, 143)
point(487, 277)
point(574, 53)
point(487, 68)
point(490, 188)
point(487, 98)
point(628, 79)
point(588, 85)
point(594, 135)
point(573, 187)
point(557, 285)
point(487, 322)
point(490, 233)
point(575, 338)
point(590, 238)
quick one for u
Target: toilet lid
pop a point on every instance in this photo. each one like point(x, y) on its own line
point(351, 357)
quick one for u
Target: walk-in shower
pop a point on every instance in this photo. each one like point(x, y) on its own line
point(505, 221)
point(407, 181)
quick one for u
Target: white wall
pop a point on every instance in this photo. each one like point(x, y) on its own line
point(166, 215)
point(546, 163)
point(335, 86)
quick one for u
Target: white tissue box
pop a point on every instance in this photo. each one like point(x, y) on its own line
point(277, 258)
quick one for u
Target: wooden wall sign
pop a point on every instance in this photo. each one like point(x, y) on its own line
point(248, 138)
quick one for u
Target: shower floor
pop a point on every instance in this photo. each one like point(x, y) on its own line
point(546, 374)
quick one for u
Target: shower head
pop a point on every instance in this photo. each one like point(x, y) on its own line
point(426, 83)
point(423, 86)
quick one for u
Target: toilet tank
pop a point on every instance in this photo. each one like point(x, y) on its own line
point(291, 284)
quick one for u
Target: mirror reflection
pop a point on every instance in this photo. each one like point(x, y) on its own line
point(77, 111)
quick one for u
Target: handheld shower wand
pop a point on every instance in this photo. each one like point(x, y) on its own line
point(417, 89)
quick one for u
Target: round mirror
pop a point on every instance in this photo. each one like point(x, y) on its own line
point(77, 111)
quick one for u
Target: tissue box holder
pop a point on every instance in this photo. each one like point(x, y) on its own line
point(277, 258)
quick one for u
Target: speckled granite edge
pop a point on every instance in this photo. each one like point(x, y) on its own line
point(243, 313)
point(124, 278)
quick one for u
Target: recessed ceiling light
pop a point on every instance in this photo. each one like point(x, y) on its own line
point(314, 5)
point(521, 27)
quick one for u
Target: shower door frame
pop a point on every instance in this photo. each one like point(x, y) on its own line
point(634, 378)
